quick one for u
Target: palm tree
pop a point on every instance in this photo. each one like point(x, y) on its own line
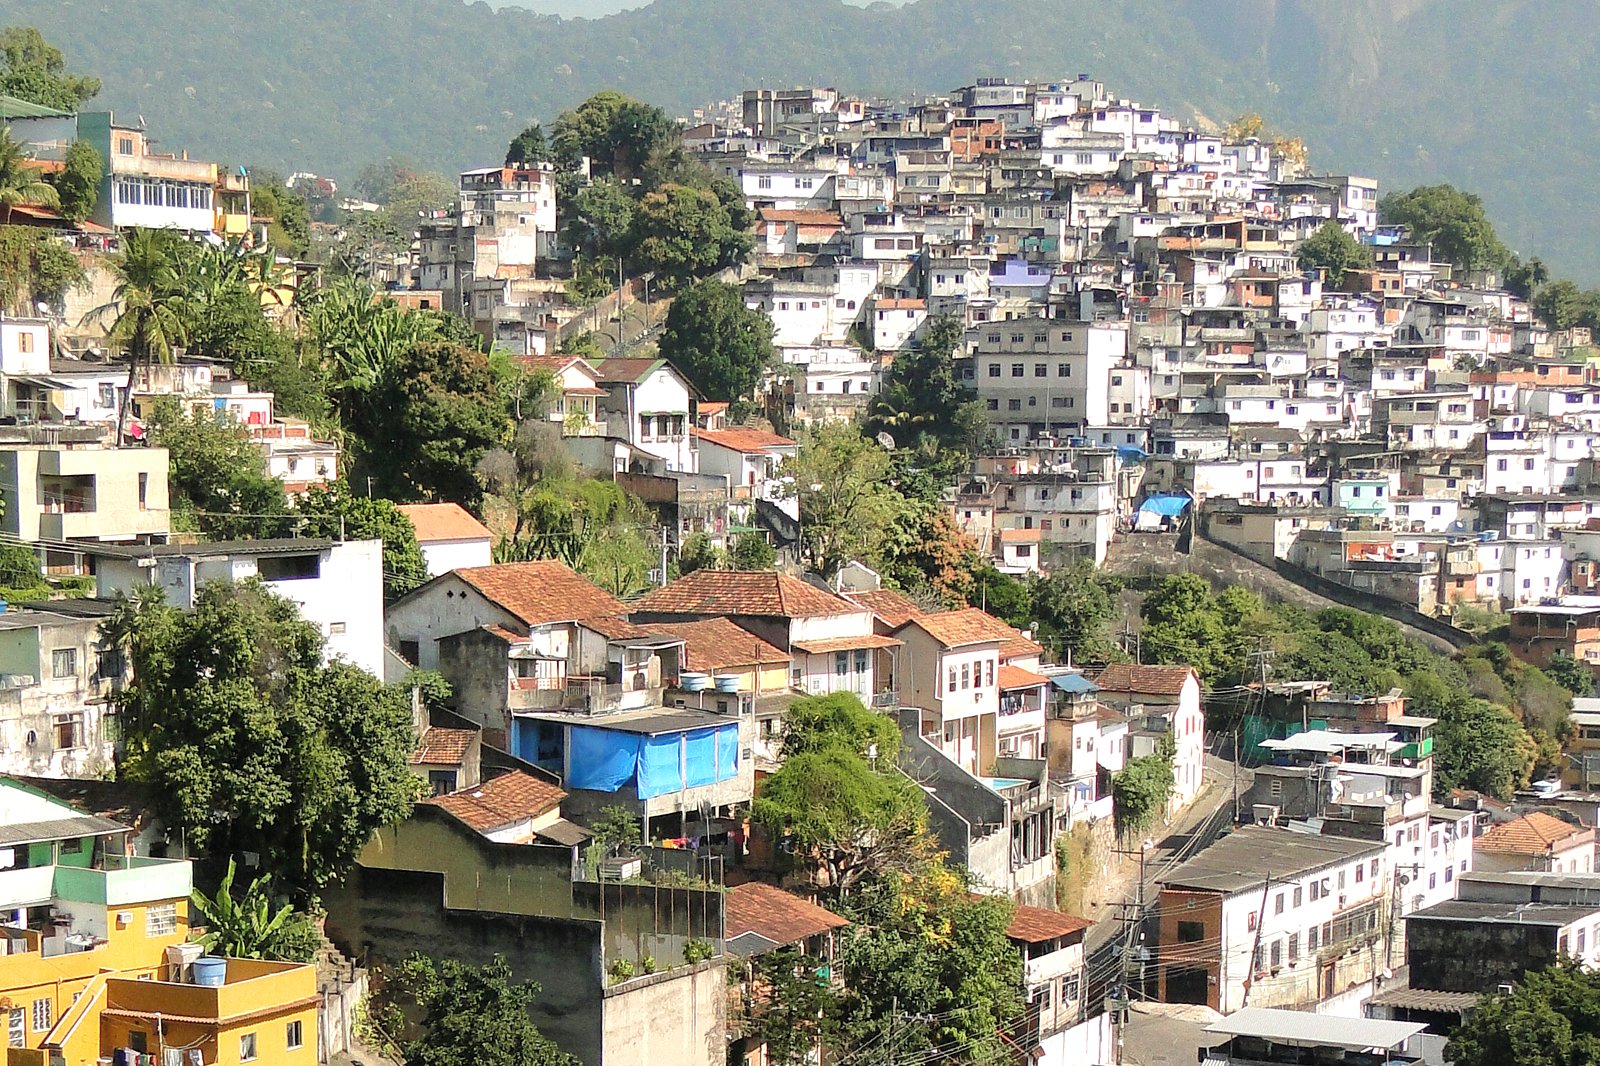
point(20, 183)
point(148, 302)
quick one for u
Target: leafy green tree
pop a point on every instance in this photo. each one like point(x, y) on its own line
point(244, 739)
point(528, 147)
point(36, 71)
point(682, 232)
point(838, 798)
point(1074, 606)
point(217, 481)
point(22, 184)
point(1570, 674)
point(466, 1016)
point(1140, 791)
point(428, 420)
point(34, 266)
point(247, 926)
point(925, 554)
point(617, 827)
point(845, 499)
point(792, 1004)
point(721, 345)
point(616, 133)
point(1558, 304)
point(599, 222)
point(1452, 221)
point(77, 183)
point(20, 576)
point(332, 510)
point(924, 946)
point(922, 396)
point(290, 228)
point(751, 551)
point(1333, 250)
point(699, 553)
point(1480, 746)
point(1007, 598)
point(1524, 279)
point(1550, 1018)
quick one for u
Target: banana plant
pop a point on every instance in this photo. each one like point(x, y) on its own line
point(247, 926)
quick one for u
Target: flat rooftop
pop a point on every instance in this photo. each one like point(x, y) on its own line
point(1247, 856)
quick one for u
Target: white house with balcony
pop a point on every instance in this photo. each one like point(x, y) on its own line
point(651, 406)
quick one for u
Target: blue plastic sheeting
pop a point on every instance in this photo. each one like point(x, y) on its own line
point(727, 752)
point(1168, 506)
point(661, 765)
point(700, 757)
point(606, 760)
point(1130, 453)
point(603, 759)
point(1076, 684)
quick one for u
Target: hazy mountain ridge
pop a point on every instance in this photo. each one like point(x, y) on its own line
point(1489, 94)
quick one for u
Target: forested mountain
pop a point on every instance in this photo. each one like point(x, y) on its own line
point(1492, 95)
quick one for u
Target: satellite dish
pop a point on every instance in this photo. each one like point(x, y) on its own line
point(44, 308)
point(886, 441)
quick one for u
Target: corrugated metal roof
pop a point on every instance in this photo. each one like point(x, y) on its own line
point(59, 829)
point(1305, 1028)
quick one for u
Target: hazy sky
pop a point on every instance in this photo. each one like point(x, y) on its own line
point(598, 8)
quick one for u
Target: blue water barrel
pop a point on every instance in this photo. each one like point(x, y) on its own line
point(210, 971)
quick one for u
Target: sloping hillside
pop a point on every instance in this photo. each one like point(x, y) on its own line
point(1489, 94)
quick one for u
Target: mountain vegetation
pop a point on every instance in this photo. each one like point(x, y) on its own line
point(1397, 91)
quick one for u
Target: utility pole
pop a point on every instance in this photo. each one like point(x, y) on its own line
point(664, 567)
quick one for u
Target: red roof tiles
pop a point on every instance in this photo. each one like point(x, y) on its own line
point(500, 801)
point(717, 644)
point(955, 629)
point(1137, 679)
point(744, 439)
point(443, 747)
point(762, 594)
point(437, 522)
point(779, 916)
point(1014, 677)
point(542, 591)
point(894, 609)
point(1033, 925)
point(1536, 833)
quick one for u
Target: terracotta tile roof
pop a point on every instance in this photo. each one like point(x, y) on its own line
point(800, 216)
point(779, 916)
point(500, 801)
point(631, 371)
point(956, 629)
point(436, 522)
point(744, 439)
point(555, 363)
point(616, 628)
point(1021, 536)
point(894, 609)
point(1532, 834)
point(1016, 677)
point(713, 407)
point(1143, 680)
point(763, 594)
point(717, 644)
point(543, 591)
point(1033, 925)
point(832, 644)
point(441, 746)
point(900, 305)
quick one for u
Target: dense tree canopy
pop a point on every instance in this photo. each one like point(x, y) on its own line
point(217, 482)
point(1551, 1018)
point(1332, 250)
point(1454, 222)
point(922, 398)
point(246, 741)
point(845, 499)
point(36, 71)
point(447, 1013)
point(721, 345)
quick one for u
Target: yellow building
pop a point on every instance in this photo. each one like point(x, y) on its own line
point(94, 950)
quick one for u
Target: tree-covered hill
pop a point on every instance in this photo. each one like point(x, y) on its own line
point(1491, 95)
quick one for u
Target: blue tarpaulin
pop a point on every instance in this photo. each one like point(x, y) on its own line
point(700, 757)
point(606, 760)
point(661, 765)
point(601, 759)
point(1130, 453)
point(1166, 506)
point(1076, 684)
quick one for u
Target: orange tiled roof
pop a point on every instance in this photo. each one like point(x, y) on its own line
point(500, 801)
point(764, 594)
point(1143, 680)
point(833, 644)
point(1532, 834)
point(779, 916)
point(801, 216)
point(436, 522)
point(717, 644)
point(1021, 536)
point(1033, 925)
point(1016, 677)
point(744, 439)
point(954, 629)
point(441, 746)
point(900, 305)
point(542, 591)
point(894, 609)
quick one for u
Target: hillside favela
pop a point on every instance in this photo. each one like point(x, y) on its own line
point(825, 574)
